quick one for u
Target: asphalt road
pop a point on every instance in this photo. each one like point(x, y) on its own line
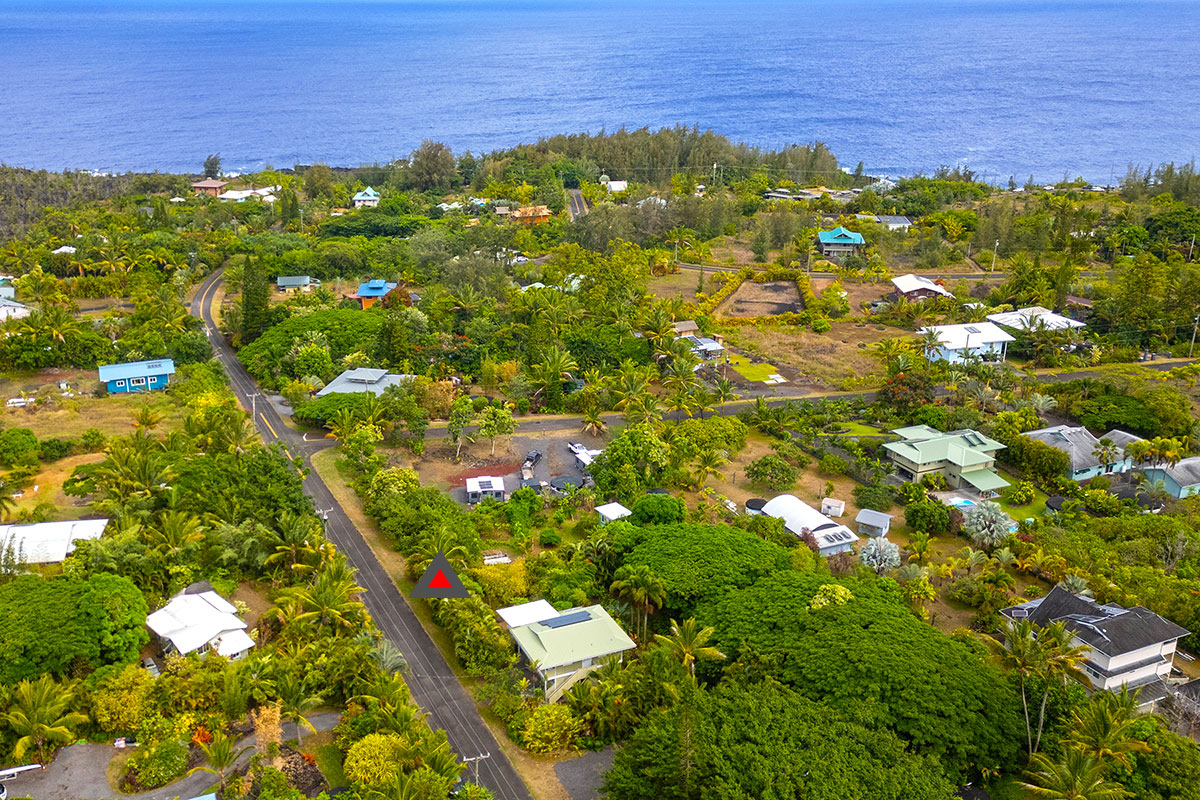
point(433, 685)
point(576, 205)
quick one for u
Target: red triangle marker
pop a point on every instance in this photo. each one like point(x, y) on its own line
point(440, 581)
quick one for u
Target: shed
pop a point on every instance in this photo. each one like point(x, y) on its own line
point(833, 507)
point(873, 523)
point(295, 283)
point(137, 376)
point(527, 613)
point(610, 512)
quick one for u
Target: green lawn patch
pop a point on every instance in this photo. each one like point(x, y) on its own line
point(329, 761)
point(751, 371)
point(1021, 513)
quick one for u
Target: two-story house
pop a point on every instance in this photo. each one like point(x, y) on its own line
point(966, 458)
point(1127, 647)
point(840, 242)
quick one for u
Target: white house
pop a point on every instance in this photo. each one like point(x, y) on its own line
point(611, 512)
point(200, 623)
point(800, 518)
point(1024, 319)
point(11, 309)
point(960, 343)
point(367, 198)
point(1131, 647)
point(564, 648)
point(49, 542)
point(364, 379)
point(918, 287)
point(893, 222)
point(484, 487)
point(616, 186)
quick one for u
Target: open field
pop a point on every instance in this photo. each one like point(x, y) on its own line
point(762, 299)
point(48, 489)
point(856, 293)
point(69, 417)
point(825, 358)
point(682, 285)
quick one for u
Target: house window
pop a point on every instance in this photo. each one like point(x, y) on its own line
point(137, 381)
point(120, 384)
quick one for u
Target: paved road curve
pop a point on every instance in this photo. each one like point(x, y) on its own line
point(434, 687)
point(576, 205)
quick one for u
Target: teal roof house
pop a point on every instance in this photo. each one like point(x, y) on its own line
point(966, 458)
point(565, 648)
point(137, 376)
point(367, 198)
point(839, 242)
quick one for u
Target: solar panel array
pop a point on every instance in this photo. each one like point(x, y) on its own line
point(567, 619)
point(485, 485)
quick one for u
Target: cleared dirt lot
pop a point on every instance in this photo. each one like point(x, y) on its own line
point(824, 358)
point(762, 299)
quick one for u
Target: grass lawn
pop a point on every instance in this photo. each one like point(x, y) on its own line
point(1021, 513)
point(856, 428)
point(329, 761)
point(69, 417)
point(751, 371)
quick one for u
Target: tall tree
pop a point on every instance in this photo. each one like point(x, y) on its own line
point(212, 165)
point(255, 299)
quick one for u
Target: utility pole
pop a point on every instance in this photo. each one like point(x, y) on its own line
point(1191, 247)
point(476, 760)
point(994, 249)
point(253, 406)
point(1195, 324)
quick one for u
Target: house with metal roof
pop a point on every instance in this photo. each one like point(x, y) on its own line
point(1126, 647)
point(840, 242)
point(966, 341)
point(209, 186)
point(1182, 478)
point(893, 222)
point(966, 458)
point(873, 524)
point(137, 376)
point(527, 613)
point(800, 518)
point(48, 542)
point(364, 379)
point(611, 512)
point(703, 346)
point(367, 198)
point(1084, 450)
point(918, 287)
point(485, 487)
point(1033, 318)
point(11, 309)
point(296, 283)
point(372, 291)
point(563, 649)
point(200, 623)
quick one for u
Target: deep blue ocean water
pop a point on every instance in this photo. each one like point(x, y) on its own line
point(1050, 87)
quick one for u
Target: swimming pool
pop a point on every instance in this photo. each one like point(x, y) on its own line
point(960, 502)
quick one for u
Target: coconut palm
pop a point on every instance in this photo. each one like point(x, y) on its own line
point(39, 715)
point(920, 547)
point(708, 465)
point(688, 643)
point(148, 418)
point(1106, 451)
point(221, 754)
point(644, 590)
point(331, 600)
point(593, 423)
point(724, 391)
point(344, 422)
point(1077, 777)
point(1102, 729)
point(296, 700)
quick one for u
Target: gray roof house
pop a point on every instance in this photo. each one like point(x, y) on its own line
point(1082, 448)
point(1182, 479)
point(364, 379)
point(295, 283)
point(873, 523)
point(1131, 647)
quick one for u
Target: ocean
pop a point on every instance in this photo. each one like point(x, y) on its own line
point(1004, 87)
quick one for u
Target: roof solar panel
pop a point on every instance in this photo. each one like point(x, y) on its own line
point(972, 329)
point(567, 619)
point(485, 485)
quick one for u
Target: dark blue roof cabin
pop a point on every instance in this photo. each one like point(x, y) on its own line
point(137, 376)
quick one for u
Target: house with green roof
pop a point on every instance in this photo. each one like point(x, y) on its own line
point(367, 198)
point(839, 243)
point(563, 649)
point(966, 458)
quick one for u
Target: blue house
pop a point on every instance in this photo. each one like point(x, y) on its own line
point(840, 242)
point(1181, 479)
point(372, 291)
point(137, 376)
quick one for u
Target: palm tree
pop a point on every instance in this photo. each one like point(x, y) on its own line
point(38, 714)
point(557, 365)
point(683, 401)
point(644, 590)
point(295, 700)
point(147, 418)
point(343, 423)
point(724, 391)
point(1062, 659)
point(593, 423)
point(1106, 452)
point(330, 601)
point(221, 755)
point(8, 504)
point(688, 643)
point(1075, 584)
point(1077, 777)
point(708, 465)
point(1023, 655)
point(1103, 729)
point(920, 547)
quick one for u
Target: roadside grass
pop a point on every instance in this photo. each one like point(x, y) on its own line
point(749, 370)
